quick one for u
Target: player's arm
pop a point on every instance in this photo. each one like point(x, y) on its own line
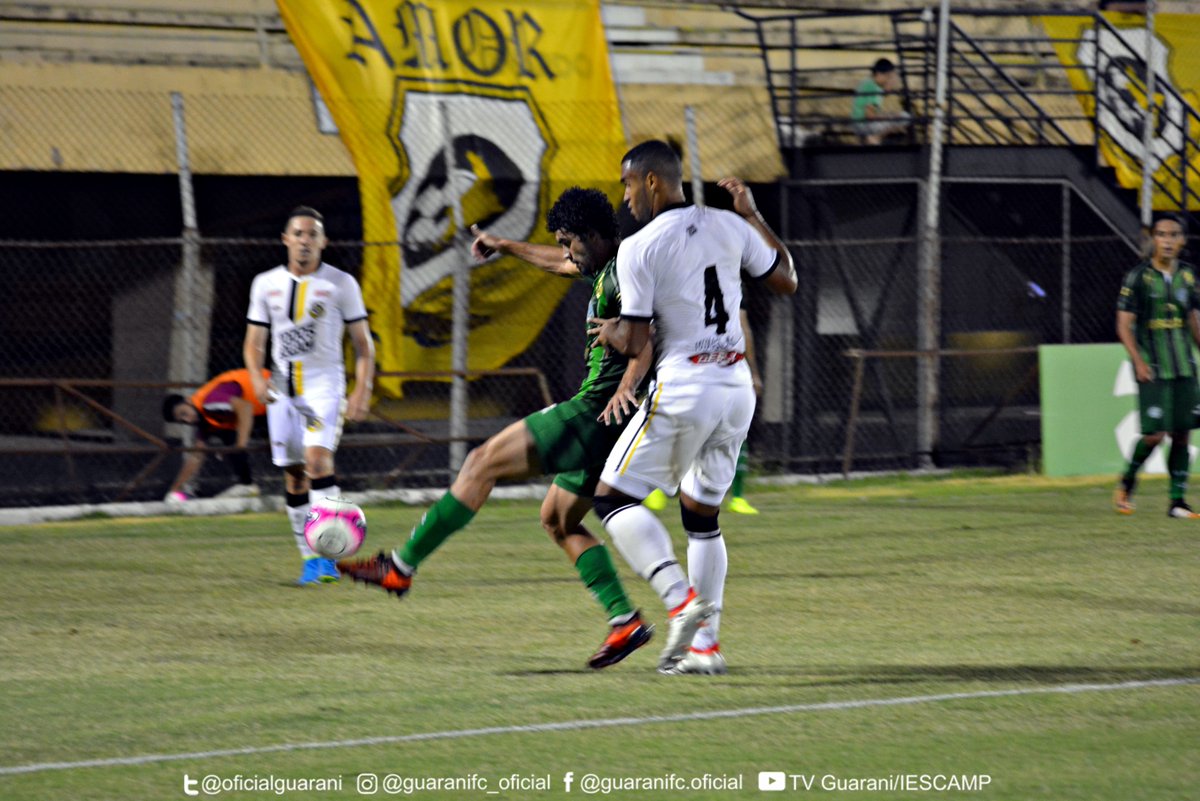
point(782, 280)
point(1125, 323)
point(359, 402)
point(627, 336)
point(254, 354)
point(625, 401)
point(1194, 325)
point(544, 257)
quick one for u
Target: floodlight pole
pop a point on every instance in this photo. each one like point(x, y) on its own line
point(461, 305)
point(693, 146)
point(1148, 119)
point(193, 289)
point(929, 269)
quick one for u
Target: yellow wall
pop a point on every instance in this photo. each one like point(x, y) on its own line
point(117, 118)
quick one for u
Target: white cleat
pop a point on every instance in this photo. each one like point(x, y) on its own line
point(681, 628)
point(240, 491)
point(709, 662)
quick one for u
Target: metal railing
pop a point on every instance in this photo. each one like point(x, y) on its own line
point(999, 84)
point(116, 435)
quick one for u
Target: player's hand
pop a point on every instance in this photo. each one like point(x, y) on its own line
point(758, 385)
point(620, 407)
point(1143, 371)
point(358, 405)
point(485, 245)
point(743, 198)
point(602, 329)
point(263, 390)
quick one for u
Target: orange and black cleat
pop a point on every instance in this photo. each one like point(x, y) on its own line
point(379, 570)
point(622, 641)
point(1123, 500)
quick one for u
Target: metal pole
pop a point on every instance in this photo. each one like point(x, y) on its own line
point(1148, 119)
point(189, 350)
point(693, 146)
point(929, 310)
point(1066, 263)
point(462, 306)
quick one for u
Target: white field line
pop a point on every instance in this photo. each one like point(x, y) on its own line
point(577, 725)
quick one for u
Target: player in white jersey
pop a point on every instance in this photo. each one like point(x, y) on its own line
point(682, 272)
point(306, 306)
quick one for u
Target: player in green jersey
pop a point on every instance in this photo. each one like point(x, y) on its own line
point(1158, 319)
point(568, 438)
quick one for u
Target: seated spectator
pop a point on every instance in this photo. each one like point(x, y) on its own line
point(870, 121)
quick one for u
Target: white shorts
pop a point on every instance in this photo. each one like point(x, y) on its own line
point(305, 421)
point(684, 436)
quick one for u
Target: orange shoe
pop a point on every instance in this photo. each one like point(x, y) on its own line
point(1123, 501)
point(379, 570)
point(622, 641)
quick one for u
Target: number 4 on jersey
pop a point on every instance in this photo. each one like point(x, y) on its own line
point(714, 301)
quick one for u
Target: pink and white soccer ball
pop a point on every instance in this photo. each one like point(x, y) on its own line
point(335, 528)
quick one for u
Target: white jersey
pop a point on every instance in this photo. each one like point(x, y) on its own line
point(683, 270)
point(307, 316)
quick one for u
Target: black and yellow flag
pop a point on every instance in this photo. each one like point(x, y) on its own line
point(517, 98)
point(1108, 63)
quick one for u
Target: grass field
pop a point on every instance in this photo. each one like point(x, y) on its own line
point(1067, 637)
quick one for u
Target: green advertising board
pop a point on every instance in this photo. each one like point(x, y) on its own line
point(1089, 411)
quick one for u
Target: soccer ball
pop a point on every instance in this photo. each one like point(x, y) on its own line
point(335, 528)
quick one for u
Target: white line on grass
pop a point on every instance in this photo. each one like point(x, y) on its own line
point(576, 725)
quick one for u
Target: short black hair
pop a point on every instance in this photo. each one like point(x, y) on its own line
point(1172, 216)
point(655, 156)
point(582, 211)
point(304, 211)
point(169, 404)
point(883, 65)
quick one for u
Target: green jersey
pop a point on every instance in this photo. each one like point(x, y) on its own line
point(605, 367)
point(1162, 305)
point(868, 93)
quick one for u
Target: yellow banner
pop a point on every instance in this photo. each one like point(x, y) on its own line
point(517, 97)
point(1107, 64)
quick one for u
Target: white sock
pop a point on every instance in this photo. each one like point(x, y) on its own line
point(645, 544)
point(708, 563)
point(296, 516)
point(315, 494)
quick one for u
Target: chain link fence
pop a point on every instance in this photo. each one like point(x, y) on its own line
point(1020, 266)
point(91, 327)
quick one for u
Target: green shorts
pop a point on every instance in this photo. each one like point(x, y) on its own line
point(1168, 404)
point(571, 442)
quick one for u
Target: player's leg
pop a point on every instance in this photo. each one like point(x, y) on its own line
point(285, 427)
point(1150, 405)
point(662, 435)
point(737, 500)
point(508, 454)
point(701, 491)
point(563, 510)
point(1183, 402)
point(324, 410)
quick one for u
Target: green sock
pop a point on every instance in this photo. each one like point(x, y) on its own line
point(1177, 466)
point(444, 518)
point(1141, 452)
point(599, 575)
point(739, 474)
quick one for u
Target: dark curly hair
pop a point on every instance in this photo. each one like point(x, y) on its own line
point(581, 212)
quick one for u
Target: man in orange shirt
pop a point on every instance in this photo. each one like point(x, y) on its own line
point(223, 411)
